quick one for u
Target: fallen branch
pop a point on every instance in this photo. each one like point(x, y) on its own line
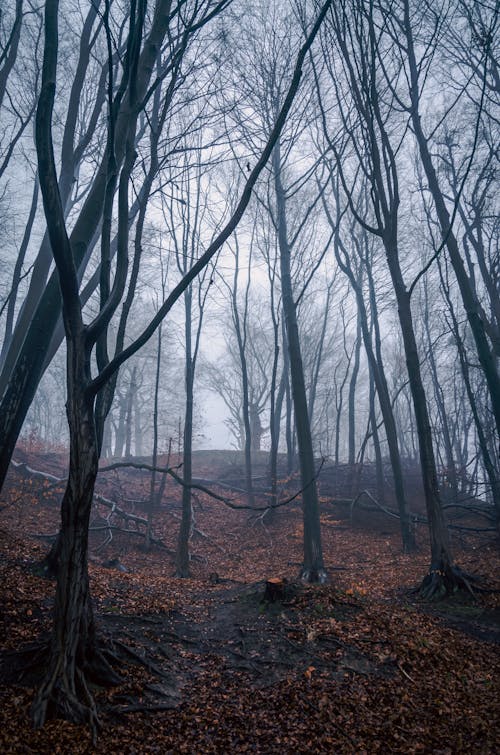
point(418, 518)
point(37, 474)
point(405, 674)
point(115, 509)
point(203, 489)
point(168, 470)
point(143, 708)
point(367, 493)
point(138, 465)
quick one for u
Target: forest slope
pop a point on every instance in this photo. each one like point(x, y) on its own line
point(355, 666)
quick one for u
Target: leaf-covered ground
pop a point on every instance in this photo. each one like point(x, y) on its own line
point(358, 665)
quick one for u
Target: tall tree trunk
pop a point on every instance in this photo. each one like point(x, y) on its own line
point(379, 465)
point(352, 392)
point(313, 568)
point(290, 450)
point(441, 570)
point(120, 428)
point(275, 424)
point(241, 330)
point(152, 490)
point(129, 415)
point(377, 373)
point(182, 555)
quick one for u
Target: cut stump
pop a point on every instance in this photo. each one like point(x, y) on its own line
point(275, 589)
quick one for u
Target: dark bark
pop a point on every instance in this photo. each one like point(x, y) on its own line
point(74, 653)
point(441, 558)
point(9, 53)
point(352, 392)
point(378, 374)
point(74, 650)
point(313, 568)
point(182, 555)
point(241, 337)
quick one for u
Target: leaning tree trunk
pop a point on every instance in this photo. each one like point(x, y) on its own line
point(443, 576)
point(379, 464)
point(274, 425)
point(313, 569)
point(378, 376)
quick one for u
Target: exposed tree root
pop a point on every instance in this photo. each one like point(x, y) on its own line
point(27, 662)
point(440, 583)
point(314, 576)
point(143, 708)
point(65, 692)
point(141, 660)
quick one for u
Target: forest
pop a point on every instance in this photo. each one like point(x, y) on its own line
point(249, 376)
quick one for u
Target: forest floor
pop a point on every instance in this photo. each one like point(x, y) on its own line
point(359, 665)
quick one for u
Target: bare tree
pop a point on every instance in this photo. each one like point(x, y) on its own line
point(354, 32)
point(74, 649)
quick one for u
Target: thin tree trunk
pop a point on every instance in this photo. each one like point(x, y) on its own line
point(352, 393)
point(441, 558)
point(313, 568)
point(152, 491)
point(379, 466)
point(182, 556)
point(16, 276)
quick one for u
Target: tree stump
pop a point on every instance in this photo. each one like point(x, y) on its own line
point(275, 589)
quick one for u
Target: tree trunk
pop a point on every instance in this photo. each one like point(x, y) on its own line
point(152, 491)
point(352, 392)
point(182, 556)
point(240, 330)
point(313, 568)
point(275, 422)
point(290, 450)
point(74, 655)
point(441, 558)
point(379, 466)
point(378, 374)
